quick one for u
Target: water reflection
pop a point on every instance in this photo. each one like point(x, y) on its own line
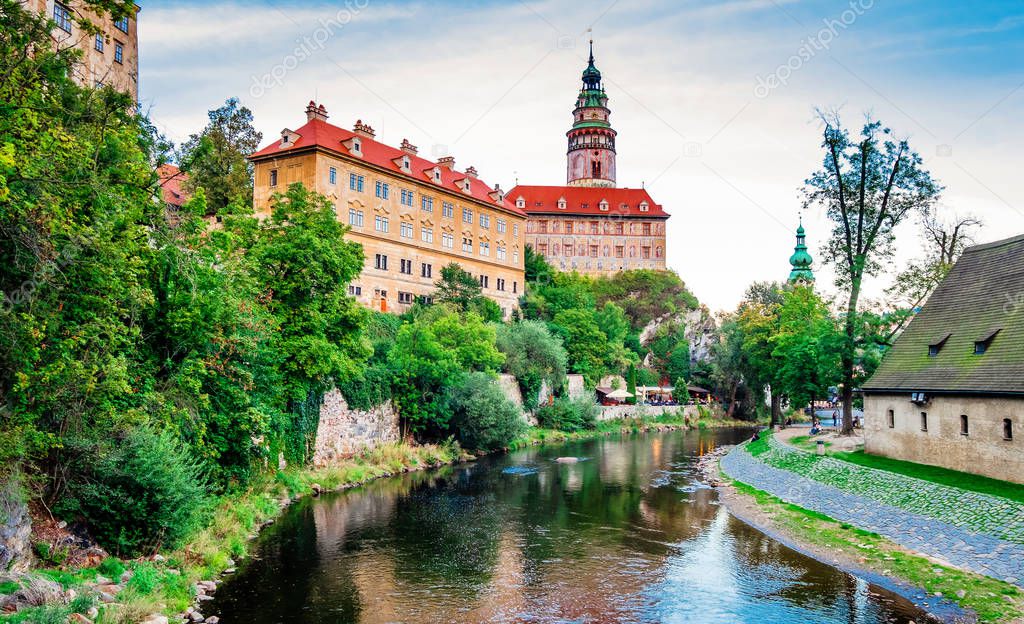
point(626, 535)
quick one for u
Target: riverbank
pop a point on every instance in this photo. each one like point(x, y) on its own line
point(177, 583)
point(931, 583)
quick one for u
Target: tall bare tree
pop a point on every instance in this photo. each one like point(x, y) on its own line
point(867, 186)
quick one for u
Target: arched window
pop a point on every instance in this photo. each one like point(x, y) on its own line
point(595, 169)
point(657, 252)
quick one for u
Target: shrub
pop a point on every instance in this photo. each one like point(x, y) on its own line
point(483, 419)
point(568, 415)
point(144, 493)
point(533, 356)
point(680, 392)
point(111, 567)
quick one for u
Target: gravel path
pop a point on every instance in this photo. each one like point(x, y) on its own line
point(964, 545)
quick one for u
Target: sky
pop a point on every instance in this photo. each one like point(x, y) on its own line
point(714, 102)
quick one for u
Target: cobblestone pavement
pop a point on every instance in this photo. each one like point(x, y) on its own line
point(973, 511)
point(977, 551)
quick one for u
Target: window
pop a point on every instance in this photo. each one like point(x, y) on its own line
point(542, 227)
point(447, 240)
point(382, 190)
point(380, 261)
point(380, 223)
point(357, 146)
point(405, 163)
point(118, 53)
point(427, 203)
point(924, 421)
point(500, 284)
point(406, 230)
point(405, 266)
point(891, 416)
point(467, 245)
point(645, 252)
point(355, 291)
point(593, 251)
point(1007, 429)
point(620, 251)
point(483, 281)
point(273, 177)
point(980, 347)
point(62, 15)
point(618, 227)
point(405, 297)
point(501, 226)
point(332, 176)
point(426, 270)
point(99, 43)
point(406, 198)
point(515, 287)
point(568, 227)
point(467, 215)
point(427, 235)
point(485, 248)
point(355, 182)
point(594, 227)
point(447, 210)
point(963, 425)
point(502, 254)
point(122, 24)
point(646, 229)
point(355, 217)
point(515, 230)
point(485, 221)
point(515, 257)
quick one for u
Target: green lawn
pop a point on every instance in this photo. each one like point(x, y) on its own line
point(942, 476)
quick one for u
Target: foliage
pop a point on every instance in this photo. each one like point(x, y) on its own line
point(680, 391)
point(483, 419)
point(806, 347)
point(533, 356)
point(457, 287)
point(645, 295)
point(565, 414)
point(584, 342)
point(138, 493)
point(631, 385)
point(217, 158)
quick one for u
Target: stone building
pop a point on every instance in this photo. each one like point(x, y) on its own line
point(412, 216)
point(950, 392)
point(109, 57)
point(589, 225)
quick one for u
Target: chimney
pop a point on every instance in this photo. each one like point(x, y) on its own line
point(315, 112)
point(364, 130)
point(448, 162)
point(471, 171)
point(408, 147)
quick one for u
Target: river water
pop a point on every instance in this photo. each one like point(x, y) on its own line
point(626, 534)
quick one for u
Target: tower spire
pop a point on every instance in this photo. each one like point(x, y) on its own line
point(591, 154)
point(801, 261)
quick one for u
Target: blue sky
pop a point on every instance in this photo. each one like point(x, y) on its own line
point(713, 101)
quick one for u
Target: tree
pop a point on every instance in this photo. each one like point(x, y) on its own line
point(631, 384)
point(457, 287)
point(680, 391)
point(867, 187)
point(806, 347)
point(533, 356)
point(483, 418)
point(536, 267)
point(217, 158)
point(584, 342)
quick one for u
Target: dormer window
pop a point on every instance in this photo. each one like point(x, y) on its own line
point(468, 186)
point(357, 146)
point(603, 205)
point(936, 346)
point(405, 163)
point(437, 175)
point(561, 203)
point(643, 206)
point(982, 344)
point(520, 203)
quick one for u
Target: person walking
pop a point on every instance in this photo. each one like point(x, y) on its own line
point(835, 418)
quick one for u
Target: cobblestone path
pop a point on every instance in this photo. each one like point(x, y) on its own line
point(964, 545)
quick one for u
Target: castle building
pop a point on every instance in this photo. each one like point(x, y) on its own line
point(110, 57)
point(800, 262)
point(589, 225)
point(411, 215)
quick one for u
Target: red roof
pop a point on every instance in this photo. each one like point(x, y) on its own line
point(586, 200)
point(171, 181)
point(320, 133)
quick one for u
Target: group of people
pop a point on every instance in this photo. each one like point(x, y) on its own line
point(836, 420)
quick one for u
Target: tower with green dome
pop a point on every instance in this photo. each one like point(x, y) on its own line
point(801, 261)
point(590, 160)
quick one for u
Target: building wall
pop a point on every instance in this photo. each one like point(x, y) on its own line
point(99, 66)
point(598, 245)
point(380, 288)
point(982, 451)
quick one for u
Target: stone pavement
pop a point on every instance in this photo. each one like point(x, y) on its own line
point(963, 546)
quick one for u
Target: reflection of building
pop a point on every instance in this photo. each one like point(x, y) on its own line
point(109, 57)
point(411, 215)
point(801, 261)
point(951, 390)
point(589, 225)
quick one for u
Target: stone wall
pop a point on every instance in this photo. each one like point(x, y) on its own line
point(510, 387)
point(343, 431)
point(577, 387)
point(15, 528)
point(982, 450)
point(615, 412)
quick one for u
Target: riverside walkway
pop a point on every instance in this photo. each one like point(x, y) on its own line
point(970, 530)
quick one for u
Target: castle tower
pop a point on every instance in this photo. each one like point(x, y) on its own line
point(801, 261)
point(590, 160)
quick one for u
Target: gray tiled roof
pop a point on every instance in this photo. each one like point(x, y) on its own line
point(984, 293)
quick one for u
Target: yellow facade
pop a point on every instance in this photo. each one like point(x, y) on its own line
point(415, 242)
point(110, 58)
point(598, 245)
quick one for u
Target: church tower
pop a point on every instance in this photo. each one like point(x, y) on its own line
point(591, 155)
point(801, 261)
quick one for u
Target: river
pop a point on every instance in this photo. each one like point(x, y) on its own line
point(626, 534)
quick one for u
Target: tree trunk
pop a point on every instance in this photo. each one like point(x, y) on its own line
point(848, 356)
point(776, 409)
point(732, 401)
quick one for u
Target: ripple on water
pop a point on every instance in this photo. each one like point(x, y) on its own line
point(520, 471)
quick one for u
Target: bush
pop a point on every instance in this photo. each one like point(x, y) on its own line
point(483, 419)
point(533, 356)
point(568, 415)
point(144, 493)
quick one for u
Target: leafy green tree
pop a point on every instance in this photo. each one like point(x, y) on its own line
point(631, 385)
point(584, 341)
point(680, 391)
point(536, 267)
point(645, 295)
point(569, 414)
point(217, 158)
point(457, 287)
point(533, 356)
point(806, 347)
point(483, 418)
point(867, 187)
